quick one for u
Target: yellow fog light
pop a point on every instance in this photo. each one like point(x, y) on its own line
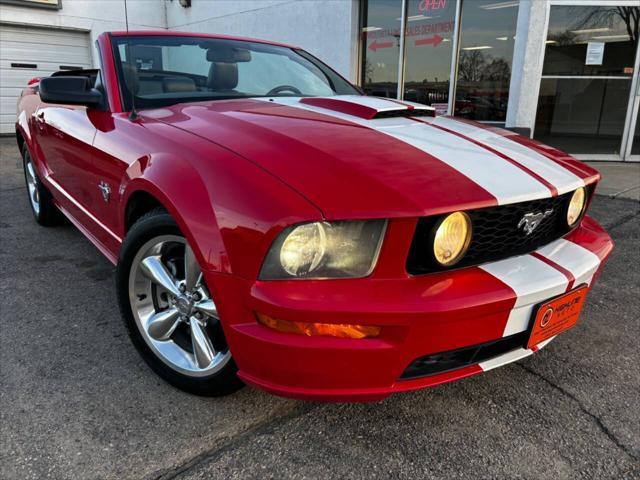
point(340, 330)
point(452, 238)
point(576, 206)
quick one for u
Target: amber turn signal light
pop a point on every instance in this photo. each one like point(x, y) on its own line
point(340, 330)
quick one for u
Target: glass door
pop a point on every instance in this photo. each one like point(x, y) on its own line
point(587, 79)
point(487, 37)
point(635, 140)
point(633, 120)
point(429, 51)
point(381, 22)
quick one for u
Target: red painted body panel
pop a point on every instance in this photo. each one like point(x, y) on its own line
point(234, 174)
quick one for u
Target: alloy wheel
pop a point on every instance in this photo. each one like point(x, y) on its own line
point(173, 308)
point(32, 185)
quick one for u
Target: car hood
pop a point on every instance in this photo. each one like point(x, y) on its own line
point(366, 157)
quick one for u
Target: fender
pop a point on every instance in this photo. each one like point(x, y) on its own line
point(183, 195)
point(27, 107)
point(230, 233)
point(22, 126)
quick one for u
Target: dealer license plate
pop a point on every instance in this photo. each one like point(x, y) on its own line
point(557, 315)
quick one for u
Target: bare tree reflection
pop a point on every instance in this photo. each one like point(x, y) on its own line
point(475, 66)
point(471, 66)
point(600, 16)
point(563, 38)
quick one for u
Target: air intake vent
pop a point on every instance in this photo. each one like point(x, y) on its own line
point(416, 112)
point(369, 108)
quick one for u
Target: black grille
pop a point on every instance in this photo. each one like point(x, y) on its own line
point(495, 236)
point(454, 359)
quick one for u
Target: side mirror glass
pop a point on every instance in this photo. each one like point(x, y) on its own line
point(70, 91)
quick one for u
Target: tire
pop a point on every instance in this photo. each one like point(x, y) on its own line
point(172, 322)
point(40, 199)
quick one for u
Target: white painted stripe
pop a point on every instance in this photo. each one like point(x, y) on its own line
point(535, 281)
point(505, 358)
point(505, 181)
point(532, 280)
point(511, 357)
point(544, 343)
point(558, 176)
point(581, 262)
point(416, 106)
point(377, 103)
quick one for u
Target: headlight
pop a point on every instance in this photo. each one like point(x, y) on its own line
point(576, 206)
point(325, 250)
point(451, 238)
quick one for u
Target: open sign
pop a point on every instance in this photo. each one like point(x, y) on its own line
point(430, 5)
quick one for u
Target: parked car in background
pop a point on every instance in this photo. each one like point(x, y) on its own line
point(271, 225)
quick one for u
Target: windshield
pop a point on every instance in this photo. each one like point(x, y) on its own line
point(166, 70)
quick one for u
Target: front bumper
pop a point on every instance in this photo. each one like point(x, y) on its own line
point(419, 316)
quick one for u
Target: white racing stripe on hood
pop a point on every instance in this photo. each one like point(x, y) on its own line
point(555, 174)
point(505, 181)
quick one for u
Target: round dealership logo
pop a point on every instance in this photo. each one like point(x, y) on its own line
point(546, 318)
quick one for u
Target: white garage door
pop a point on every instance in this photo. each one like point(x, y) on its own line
point(27, 52)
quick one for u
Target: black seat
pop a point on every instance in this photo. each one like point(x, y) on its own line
point(223, 77)
point(131, 78)
point(178, 84)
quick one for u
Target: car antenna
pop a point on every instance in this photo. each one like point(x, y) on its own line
point(133, 115)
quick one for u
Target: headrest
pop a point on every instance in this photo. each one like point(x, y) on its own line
point(223, 76)
point(131, 77)
point(178, 84)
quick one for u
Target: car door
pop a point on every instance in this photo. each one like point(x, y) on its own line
point(65, 134)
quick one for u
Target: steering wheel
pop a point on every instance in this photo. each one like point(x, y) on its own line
point(283, 88)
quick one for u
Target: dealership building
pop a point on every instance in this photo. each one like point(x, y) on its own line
point(564, 72)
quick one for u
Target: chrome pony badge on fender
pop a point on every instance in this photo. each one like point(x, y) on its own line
point(530, 221)
point(105, 189)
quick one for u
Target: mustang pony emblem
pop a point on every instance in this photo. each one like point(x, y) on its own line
point(530, 221)
point(105, 189)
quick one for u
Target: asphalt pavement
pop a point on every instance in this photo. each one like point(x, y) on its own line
point(76, 400)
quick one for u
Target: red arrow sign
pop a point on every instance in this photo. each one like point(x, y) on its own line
point(375, 45)
point(435, 41)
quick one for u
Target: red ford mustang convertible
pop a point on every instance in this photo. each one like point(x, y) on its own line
point(273, 226)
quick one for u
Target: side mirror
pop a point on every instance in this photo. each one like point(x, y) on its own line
point(70, 91)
